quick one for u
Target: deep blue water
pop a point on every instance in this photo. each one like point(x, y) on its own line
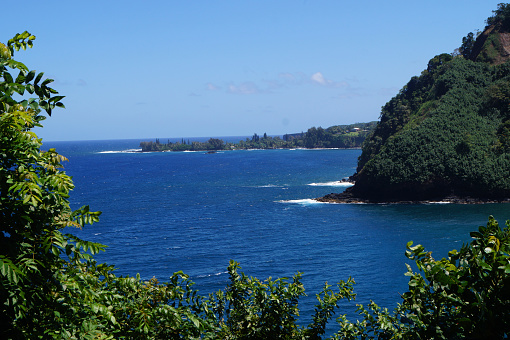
point(191, 211)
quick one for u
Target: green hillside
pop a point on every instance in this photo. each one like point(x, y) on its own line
point(447, 131)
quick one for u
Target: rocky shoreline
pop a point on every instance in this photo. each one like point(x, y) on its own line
point(348, 198)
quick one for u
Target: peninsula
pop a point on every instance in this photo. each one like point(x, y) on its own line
point(337, 136)
point(446, 135)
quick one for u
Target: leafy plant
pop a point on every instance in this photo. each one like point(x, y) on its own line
point(33, 202)
point(464, 295)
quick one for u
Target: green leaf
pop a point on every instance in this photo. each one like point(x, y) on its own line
point(20, 78)
point(9, 270)
point(485, 266)
point(30, 88)
point(7, 76)
point(29, 76)
point(475, 235)
point(56, 99)
point(38, 78)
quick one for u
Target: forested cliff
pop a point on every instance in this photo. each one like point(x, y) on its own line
point(447, 131)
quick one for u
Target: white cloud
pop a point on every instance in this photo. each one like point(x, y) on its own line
point(319, 78)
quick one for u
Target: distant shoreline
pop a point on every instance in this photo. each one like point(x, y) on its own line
point(337, 136)
point(224, 150)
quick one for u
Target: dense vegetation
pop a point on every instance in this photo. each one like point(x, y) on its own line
point(51, 286)
point(338, 136)
point(447, 131)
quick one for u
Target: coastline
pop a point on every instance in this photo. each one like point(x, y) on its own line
point(240, 149)
point(348, 198)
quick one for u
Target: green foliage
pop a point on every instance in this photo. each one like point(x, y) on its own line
point(503, 143)
point(446, 132)
point(443, 133)
point(491, 49)
point(211, 144)
point(437, 61)
point(33, 206)
point(500, 17)
point(468, 43)
point(466, 295)
point(251, 309)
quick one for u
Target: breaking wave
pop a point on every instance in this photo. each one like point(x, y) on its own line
point(215, 274)
point(270, 186)
point(305, 201)
point(333, 184)
point(122, 151)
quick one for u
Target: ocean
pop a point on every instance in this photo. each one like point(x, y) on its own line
point(193, 212)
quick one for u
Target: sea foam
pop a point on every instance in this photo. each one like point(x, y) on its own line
point(122, 151)
point(305, 201)
point(333, 184)
point(270, 186)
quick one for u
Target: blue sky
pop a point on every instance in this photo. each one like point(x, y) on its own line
point(147, 69)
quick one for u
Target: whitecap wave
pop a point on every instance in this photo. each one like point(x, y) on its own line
point(122, 151)
point(333, 184)
point(215, 274)
point(305, 201)
point(269, 186)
